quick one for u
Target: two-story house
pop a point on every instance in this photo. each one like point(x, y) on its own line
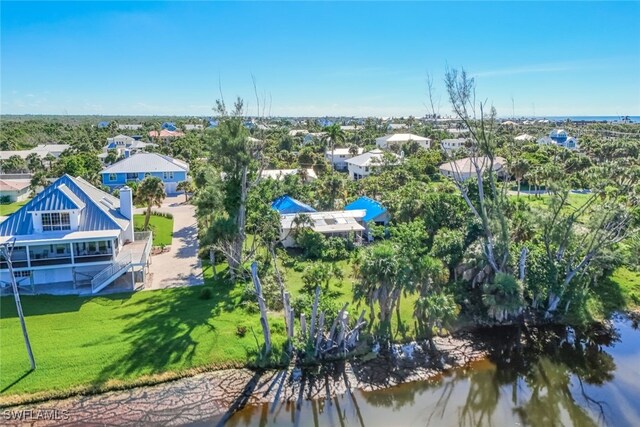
point(138, 166)
point(74, 238)
point(338, 158)
point(365, 164)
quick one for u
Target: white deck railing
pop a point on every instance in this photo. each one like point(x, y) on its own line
point(126, 258)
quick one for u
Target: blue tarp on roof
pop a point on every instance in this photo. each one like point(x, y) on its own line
point(374, 209)
point(289, 205)
point(169, 126)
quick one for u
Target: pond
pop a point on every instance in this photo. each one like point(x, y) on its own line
point(556, 377)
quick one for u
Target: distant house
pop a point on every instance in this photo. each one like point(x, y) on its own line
point(14, 190)
point(561, 138)
point(313, 137)
point(139, 166)
point(279, 174)
point(165, 135)
point(42, 150)
point(170, 126)
point(330, 224)
point(374, 210)
point(349, 128)
point(396, 126)
point(463, 169)
point(524, 137)
point(288, 205)
point(365, 164)
point(130, 127)
point(324, 122)
point(103, 124)
point(340, 156)
point(399, 139)
point(213, 123)
point(124, 145)
point(74, 238)
point(191, 127)
point(296, 132)
point(449, 145)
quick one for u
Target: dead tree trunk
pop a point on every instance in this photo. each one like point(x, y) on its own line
point(263, 309)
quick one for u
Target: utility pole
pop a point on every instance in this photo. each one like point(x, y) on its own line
point(7, 251)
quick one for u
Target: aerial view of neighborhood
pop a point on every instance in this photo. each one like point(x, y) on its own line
point(320, 214)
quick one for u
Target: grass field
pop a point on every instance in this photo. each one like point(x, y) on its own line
point(161, 227)
point(10, 208)
point(108, 341)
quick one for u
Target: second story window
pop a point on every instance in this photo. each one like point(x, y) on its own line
point(56, 221)
point(112, 177)
point(167, 175)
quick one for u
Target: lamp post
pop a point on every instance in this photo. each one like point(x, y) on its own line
point(6, 250)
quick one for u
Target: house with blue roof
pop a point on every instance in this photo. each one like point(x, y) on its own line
point(138, 166)
point(170, 126)
point(288, 205)
point(74, 238)
point(375, 212)
point(103, 124)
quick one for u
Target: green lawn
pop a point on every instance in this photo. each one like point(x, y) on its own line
point(10, 208)
point(161, 227)
point(342, 292)
point(107, 341)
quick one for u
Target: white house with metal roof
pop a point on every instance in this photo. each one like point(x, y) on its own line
point(340, 156)
point(74, 238)
point(399, 139)
point(330, 224)
point(137, 167)
point(463, 169)
point(365, 164)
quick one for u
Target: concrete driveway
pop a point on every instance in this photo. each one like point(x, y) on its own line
point(181, 265)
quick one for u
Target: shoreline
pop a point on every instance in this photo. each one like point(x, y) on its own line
point(220, 393)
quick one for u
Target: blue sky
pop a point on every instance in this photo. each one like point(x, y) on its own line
point(576, 58)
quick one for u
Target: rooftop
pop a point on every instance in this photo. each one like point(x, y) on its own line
point(147, 162)
point(369, 158)
point(372, 207)
point(99, 210)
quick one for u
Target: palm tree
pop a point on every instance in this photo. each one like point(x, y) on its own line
point(333, 135)
point(519, 169)
point(187, 187)
point(150, 193)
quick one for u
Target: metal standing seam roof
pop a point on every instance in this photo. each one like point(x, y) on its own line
point(289, 205)
point(402, 137)
point(373, 208)
point(99, 210)
point(367, 158)
point(147, 162)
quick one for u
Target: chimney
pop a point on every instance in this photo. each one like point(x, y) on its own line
point(126, 202)
point(126, 209)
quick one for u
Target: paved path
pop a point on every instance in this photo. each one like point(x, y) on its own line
point(181, 265)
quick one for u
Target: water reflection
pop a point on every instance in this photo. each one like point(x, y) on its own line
point(542, 377)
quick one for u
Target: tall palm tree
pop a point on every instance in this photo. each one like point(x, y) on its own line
point(333, 135)
point(34, 163)
point(187, 187)
point(519, 169)
point(150, 193)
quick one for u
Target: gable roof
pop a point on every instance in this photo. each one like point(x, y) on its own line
point(369, 158)
point(373, 208)
point(287, 205)
point(147, 162)
point(402, 137)
point(99, 210)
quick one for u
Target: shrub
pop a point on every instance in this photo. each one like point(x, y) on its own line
point(270, 293)
point(206, 293)
point(5, 200)
point(335, 249)
point(304, 304)
point(241, 331)
point(312, 243)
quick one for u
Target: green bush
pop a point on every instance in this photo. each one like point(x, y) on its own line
point(312, 243)
point(206, 293)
